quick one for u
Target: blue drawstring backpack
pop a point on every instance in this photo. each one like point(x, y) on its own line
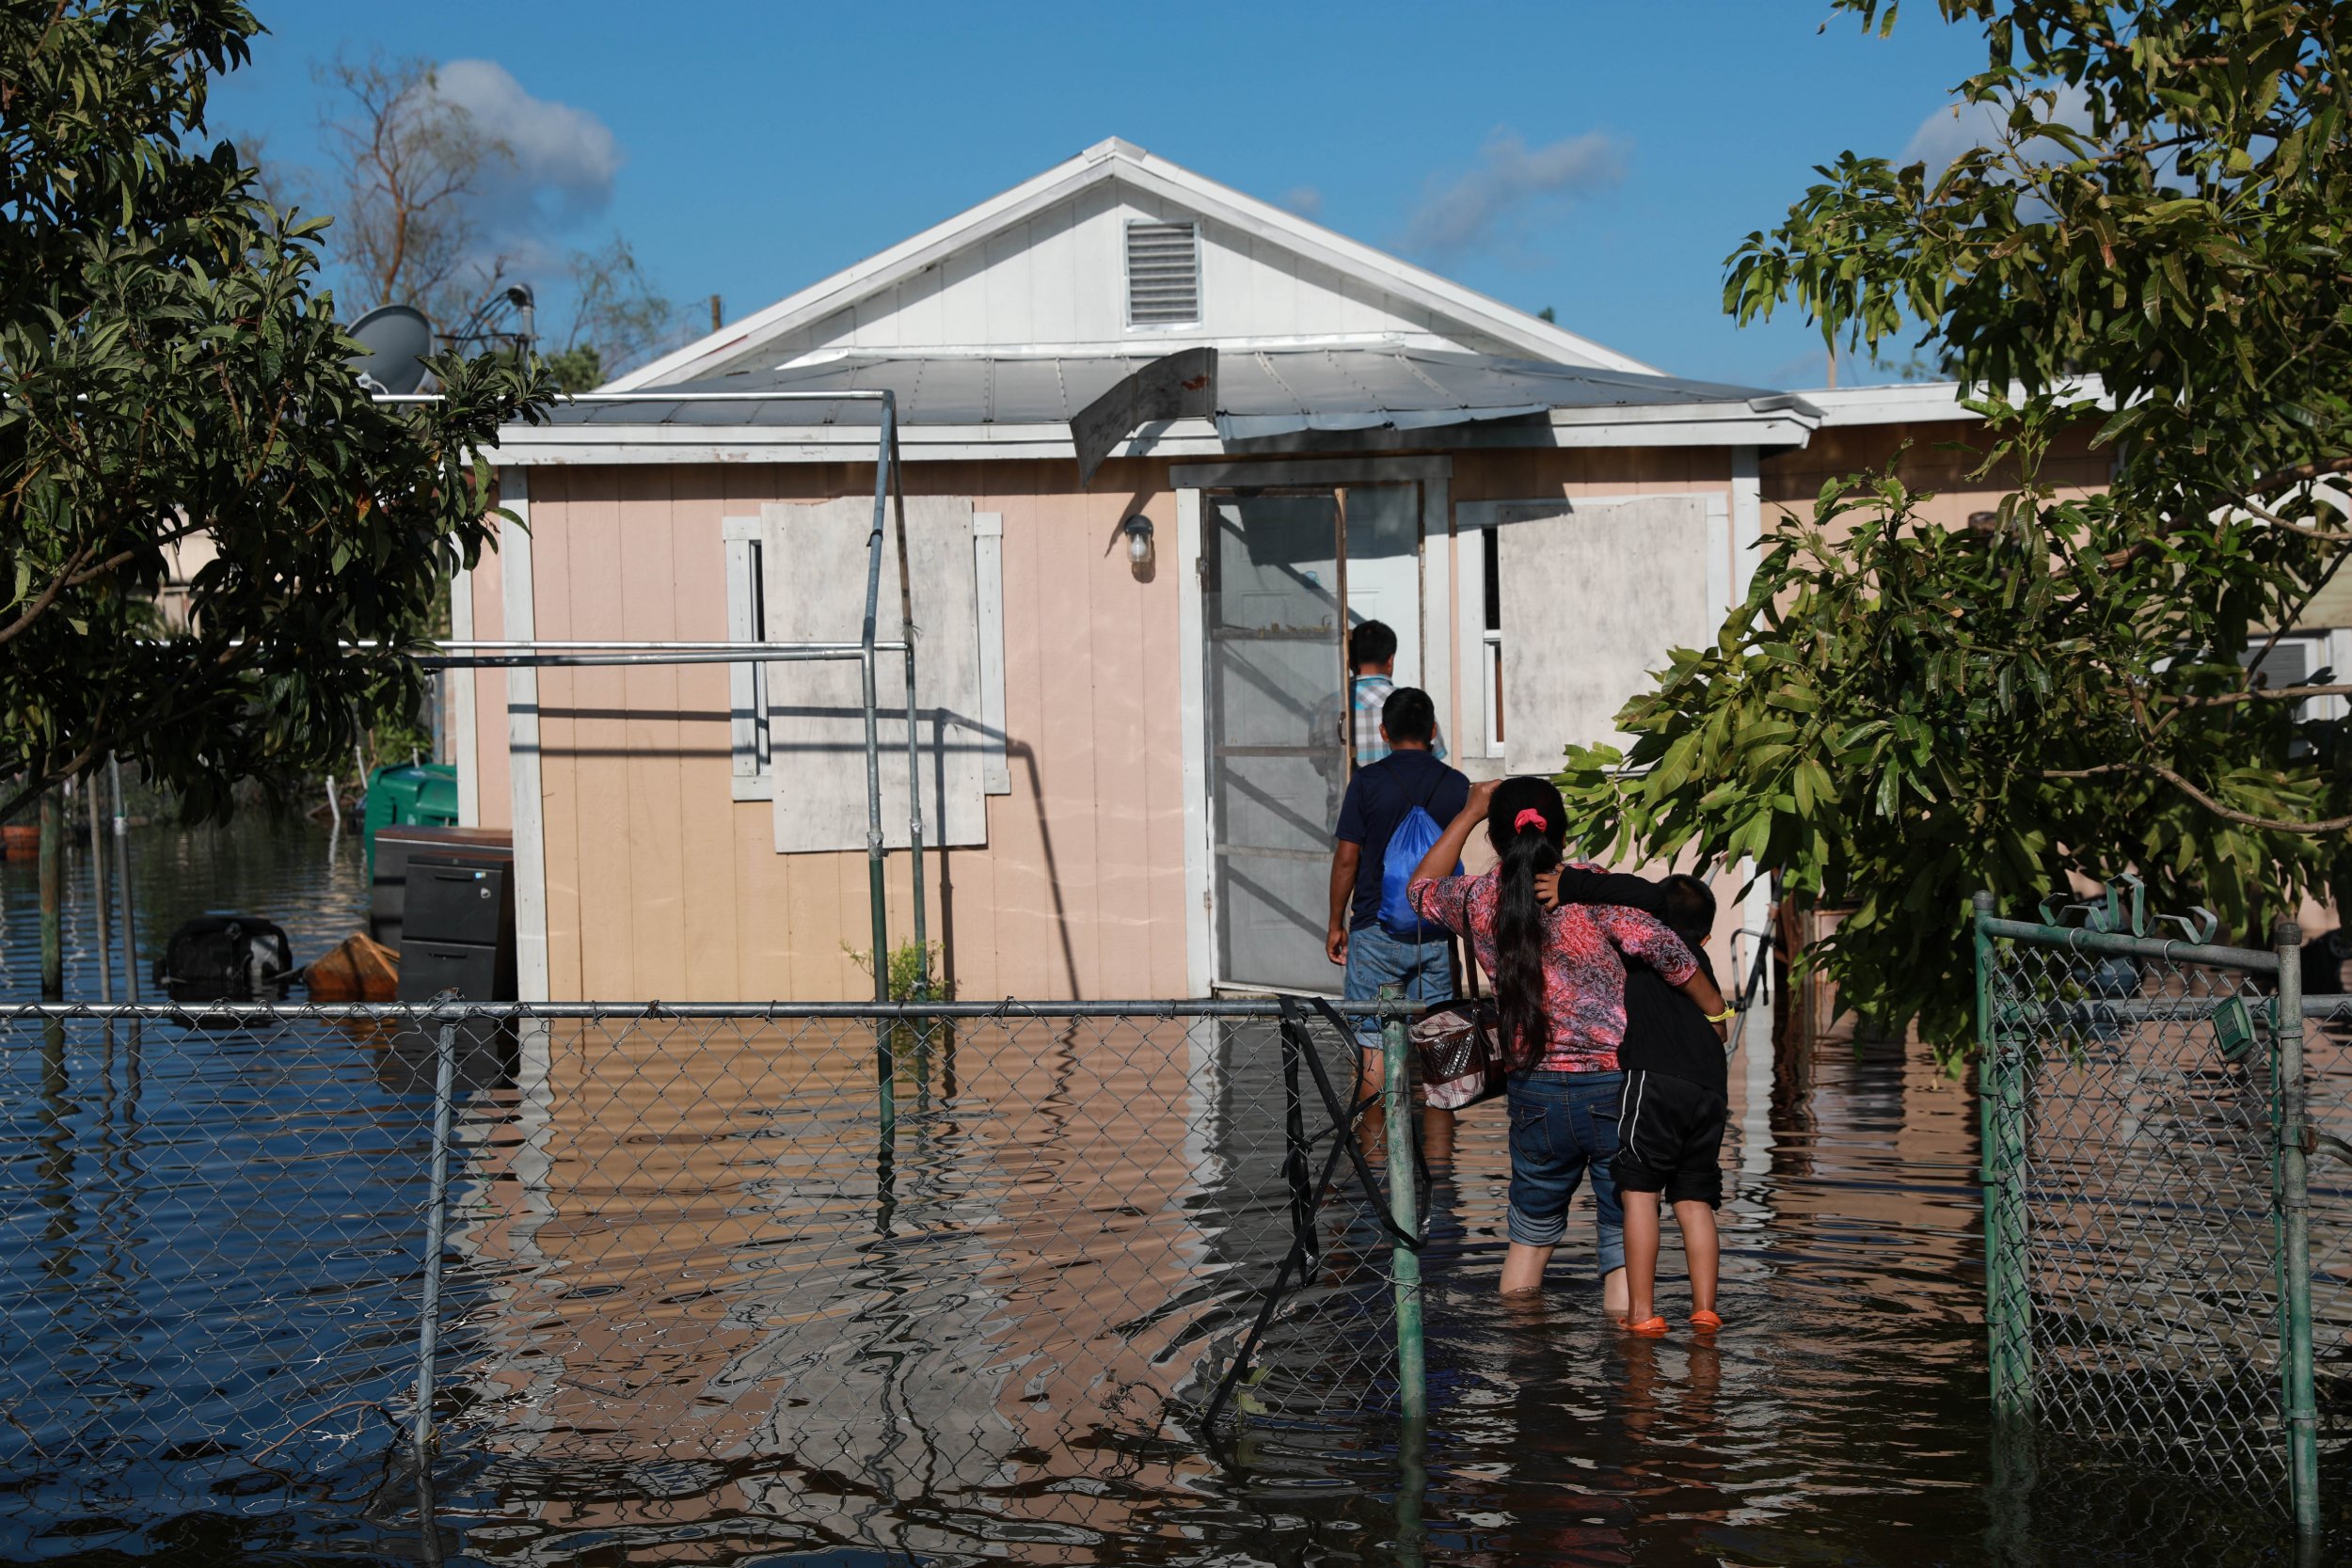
point(1413, 839)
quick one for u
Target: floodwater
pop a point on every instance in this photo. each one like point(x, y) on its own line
point(307, 877)
point(1839, 1419)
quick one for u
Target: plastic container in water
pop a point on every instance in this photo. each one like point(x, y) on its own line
point(411, 795)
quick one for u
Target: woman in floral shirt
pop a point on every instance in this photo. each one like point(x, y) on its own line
point(1559, 982)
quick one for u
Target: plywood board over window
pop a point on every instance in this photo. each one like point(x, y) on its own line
point(812, 589)
point(1594, 598)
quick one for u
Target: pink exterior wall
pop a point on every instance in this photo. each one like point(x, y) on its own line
point(1934, 462)
point(659, 885)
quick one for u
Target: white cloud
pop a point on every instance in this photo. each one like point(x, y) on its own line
point(1305, 201)
point(1493, 200)
point(563, 163)
point(1951, 130)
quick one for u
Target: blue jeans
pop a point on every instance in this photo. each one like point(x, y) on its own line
point(1561, 1124)
point(1375, 958)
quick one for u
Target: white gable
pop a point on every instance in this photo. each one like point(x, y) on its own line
point(1043, 266)
point(1059, 278)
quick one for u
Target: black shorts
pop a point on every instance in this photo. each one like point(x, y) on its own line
point(1670, 1139)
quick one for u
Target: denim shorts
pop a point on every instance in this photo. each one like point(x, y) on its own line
point(1563, 1124)
point(1375, 958)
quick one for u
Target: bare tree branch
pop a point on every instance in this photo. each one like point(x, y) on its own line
point(2300, 473)
point(57, 585)
point(2266, 695)
point(2267, 824)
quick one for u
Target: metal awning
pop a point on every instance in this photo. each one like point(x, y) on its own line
point(1261, 392)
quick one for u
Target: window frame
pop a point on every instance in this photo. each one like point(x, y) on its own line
point(1482, 648)
point(750, 749)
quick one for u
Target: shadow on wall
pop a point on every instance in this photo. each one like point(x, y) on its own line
point(935, 809)
point(1027, 755)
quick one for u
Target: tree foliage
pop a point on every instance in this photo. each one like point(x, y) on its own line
point(1902, 713)
point(408, 169)
point(170, 378)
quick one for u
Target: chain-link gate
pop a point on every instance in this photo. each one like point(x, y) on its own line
point(1061, 1244)
point(2157, 1257)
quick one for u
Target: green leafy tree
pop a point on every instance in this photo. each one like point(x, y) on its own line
point(168, 371)
point(1903, 713)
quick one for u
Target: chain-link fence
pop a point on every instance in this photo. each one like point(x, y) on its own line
point(1059, 1244)
point(2161, 1259)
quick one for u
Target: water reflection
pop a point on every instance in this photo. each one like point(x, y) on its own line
point(696, 1316)
point(309, 881)
point(714, 1301)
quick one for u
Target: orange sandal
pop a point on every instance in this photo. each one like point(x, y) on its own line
point(1651, 1327)
point(1705, 1322)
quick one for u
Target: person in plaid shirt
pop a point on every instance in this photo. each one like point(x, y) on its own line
point(1372, 664)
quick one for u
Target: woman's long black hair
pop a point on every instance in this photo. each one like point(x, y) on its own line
point(1520, 922)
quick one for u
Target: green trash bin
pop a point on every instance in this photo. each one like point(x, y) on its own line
point(410, 795)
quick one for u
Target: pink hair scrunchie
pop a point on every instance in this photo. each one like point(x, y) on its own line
point(1529, 818)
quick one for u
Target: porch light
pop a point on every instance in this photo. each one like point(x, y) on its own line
point(1138, 532)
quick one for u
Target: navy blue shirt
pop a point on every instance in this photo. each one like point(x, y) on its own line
point(1666, 1034)
point(1664, 1031)
point(1377, 799)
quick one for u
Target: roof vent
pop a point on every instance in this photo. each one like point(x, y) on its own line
point(1163, 274)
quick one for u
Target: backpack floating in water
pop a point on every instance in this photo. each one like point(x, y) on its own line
point(226, 958)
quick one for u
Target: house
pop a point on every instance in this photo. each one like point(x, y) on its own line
point(1131, 725)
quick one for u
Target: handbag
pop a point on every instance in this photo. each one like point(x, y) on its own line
point(1459, 1046)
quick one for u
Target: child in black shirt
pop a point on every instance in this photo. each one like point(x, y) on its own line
point(1670, 1129)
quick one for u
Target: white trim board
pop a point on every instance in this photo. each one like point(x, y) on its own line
point(462, 723)
point(539, 446)
point(1192, 725)
point(1368, 470)
point(988, 588)
point(1747, 531)
point(522, 744)
point(1470, 515)
point(1437, 600)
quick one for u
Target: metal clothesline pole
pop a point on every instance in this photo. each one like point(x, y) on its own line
point(914, 771)
point(740, 654)
point(886, 485)
point(765, 650)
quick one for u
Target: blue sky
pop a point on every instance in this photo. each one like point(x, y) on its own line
point(1601, 159)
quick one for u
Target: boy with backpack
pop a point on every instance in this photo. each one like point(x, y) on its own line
point(1392, 813)
point(1675, 1100)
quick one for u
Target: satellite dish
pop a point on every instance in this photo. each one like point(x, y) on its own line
point(397, 338)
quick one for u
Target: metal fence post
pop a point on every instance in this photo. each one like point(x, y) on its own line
point(2000, 1101)
point(53, 830)
point(435, 1228)
point(101, 898)
point(1403, 1263)
point(1296, 1175)
point(2295, 1251)
point(122, 875)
